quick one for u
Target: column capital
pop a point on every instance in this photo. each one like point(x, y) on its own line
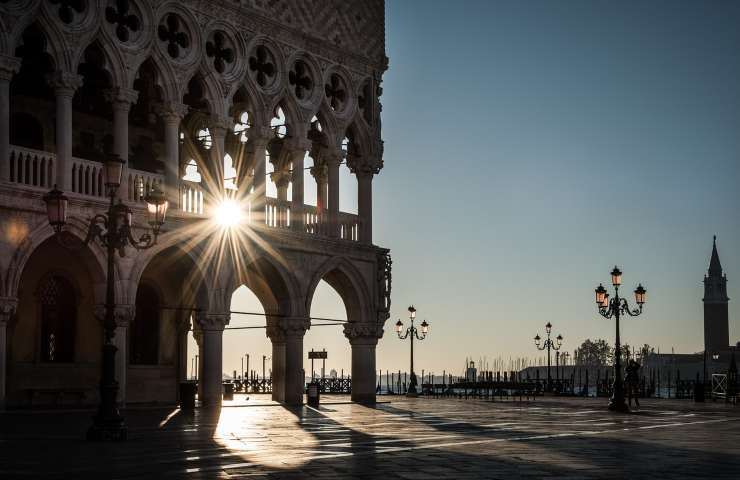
point(121, 98)
point(220, 125)
point(8, 307)
point(332, 156)
point(363, 332)
point(279, 329)
point(171, 112)
point(364, 167)
point(320, 172)
point(123, 315)
point(9, 66)
point(65, 83)
point(260, 135)
point(212, 321)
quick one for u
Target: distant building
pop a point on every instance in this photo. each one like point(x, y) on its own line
point(716, 320)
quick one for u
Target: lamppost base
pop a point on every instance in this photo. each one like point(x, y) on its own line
point(618, 405)
point(412, 394)
point(107, 430)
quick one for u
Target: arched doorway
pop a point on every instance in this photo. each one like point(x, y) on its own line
point(326, 333)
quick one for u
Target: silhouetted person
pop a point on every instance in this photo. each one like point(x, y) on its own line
point(632, 381)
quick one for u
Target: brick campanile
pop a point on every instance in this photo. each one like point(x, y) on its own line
point(716, 322)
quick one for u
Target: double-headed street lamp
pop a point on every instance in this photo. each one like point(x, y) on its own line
point(113, 230)
point(412, 332)
point(617, 307)
point(548, 345)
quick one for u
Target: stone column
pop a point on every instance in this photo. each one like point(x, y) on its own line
point(333, 160)
point(320, 173)
point(172, 114)
point(296, 209)
point(8, 67)
point(7, 312)
point(218, 129)
point(363, 338)
point(286, 335)
point(212, 326)
point(65, 84)
point(365, 204)
point(182, 326)
point(121, 100)
point(259, 137)
point(198, 337)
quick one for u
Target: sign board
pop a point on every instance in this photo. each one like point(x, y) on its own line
point(317, 355)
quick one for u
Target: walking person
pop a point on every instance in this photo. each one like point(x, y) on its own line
point(632, 380)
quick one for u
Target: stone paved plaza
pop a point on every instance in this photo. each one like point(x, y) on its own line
point(405, 438)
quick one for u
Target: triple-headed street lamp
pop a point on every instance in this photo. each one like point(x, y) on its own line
point(412, 332)
point(617, 307)
point(548, 345)
point(114, 231)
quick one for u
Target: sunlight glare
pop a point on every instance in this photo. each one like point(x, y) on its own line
point(228, 213)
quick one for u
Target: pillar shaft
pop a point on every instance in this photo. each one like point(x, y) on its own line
point(172, 114)
point(7, 310)
point(257, 147)
point(8, 67)
point(65, 84)
point(121, 100)
point(296, 215)
point(218, 130)
point(363, 371)
point(212, 326)
point(288, 379)
point(365, 206)
point(333, 162)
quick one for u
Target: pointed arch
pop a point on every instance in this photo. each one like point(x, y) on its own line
point(347, 280)
point(115, 64)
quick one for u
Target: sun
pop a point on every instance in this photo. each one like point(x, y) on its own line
point(228, 213)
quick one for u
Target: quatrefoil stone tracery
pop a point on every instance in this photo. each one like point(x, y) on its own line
point(171, 33)
point(336, 92)
point(220, 50)
point(69, 8)
point(263, 65)
point(301, 81)
point(124, 21)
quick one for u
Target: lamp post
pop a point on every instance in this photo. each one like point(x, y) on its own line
point(113, 231)
point(548, 345)
point(412, 332)
point(616, 307)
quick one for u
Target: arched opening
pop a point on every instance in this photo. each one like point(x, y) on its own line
point(92, 116)
point(170, 289)
point(32, 112)
point(26, 131)
point(347, 181)
point(328, 335)
point(196, 142)
point(238, 168)
point(277, 184)
point(146, 128)
point(56, 340)
point(58, 319)
point(144, 333)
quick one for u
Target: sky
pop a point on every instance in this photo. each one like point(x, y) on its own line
point(529, 147)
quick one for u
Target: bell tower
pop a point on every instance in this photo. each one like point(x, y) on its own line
point(716, 322)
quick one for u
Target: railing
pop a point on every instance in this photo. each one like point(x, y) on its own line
point(191, 197)
point(316, 222)
point(32, 167)
point(140, 183)
point(277, 213)
point(348, 226)
point(87, 177)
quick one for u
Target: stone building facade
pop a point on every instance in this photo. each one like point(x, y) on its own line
point(211, 100)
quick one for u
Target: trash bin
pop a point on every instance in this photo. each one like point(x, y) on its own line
point(313, 395)
point(187, 395)
point(228, 391)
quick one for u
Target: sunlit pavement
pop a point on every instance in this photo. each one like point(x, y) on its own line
point(407, 438)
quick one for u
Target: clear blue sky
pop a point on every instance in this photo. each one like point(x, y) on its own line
point(530, 146)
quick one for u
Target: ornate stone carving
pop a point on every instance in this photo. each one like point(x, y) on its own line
point(171, 33)
point(278, 329)
point(262, 66)
point(9, 66)
point(357, 330)
point(7, 309)
point(123, 315)
point(65, 83)
point(208, 321)
point(384, 281)
point(301, 81)
point(220, 49)
point(121, 97)
point(171, 111)
point(124, 21)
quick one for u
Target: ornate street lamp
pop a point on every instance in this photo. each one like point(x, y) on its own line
point(412, 332)
point(113, 231)
point(617, 307)
point(548, 345)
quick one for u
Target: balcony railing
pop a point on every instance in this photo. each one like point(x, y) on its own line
point(32, 167)
point(37, 169)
